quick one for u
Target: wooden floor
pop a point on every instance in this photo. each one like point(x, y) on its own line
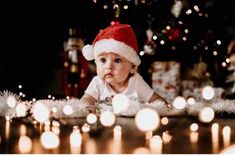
point(176, 136)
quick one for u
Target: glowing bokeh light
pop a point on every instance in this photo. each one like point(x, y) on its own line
point(179, 102)
point(85, 127)
point(206, 115)
point(107, 118)
point(49, 140)
point(91, 118)
point(194, 127)
point(41, 113)
point(147, 119)
point(120, 102)
point(191, 101)
point(11, 101)
point(68, 110)
point(208, 92)
point(21, 110)
point(164, 120)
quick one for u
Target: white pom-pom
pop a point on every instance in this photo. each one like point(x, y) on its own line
point(88, 52)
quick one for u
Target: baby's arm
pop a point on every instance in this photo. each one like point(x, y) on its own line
point(156, 96)
point(90, 101)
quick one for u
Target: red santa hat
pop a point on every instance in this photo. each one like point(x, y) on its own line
point(119, 39)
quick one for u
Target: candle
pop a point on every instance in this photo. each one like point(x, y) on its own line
point(141, 150)
point(7, 128)
point(215, 137)
point(156, 144)
point(148, 135)
point(75, 141)
point(166, 137)
point(117, 133)
point(114, 147)
point(90, 146)
point(22, 129)
point(194, 137)
point(226, 131)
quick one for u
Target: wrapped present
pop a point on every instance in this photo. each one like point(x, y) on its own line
point(166, 79)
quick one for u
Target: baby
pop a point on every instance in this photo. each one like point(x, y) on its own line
point(115, 52)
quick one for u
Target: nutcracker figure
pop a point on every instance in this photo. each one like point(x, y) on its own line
point(76, 78)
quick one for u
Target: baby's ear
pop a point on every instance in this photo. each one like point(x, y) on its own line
point(133, 69)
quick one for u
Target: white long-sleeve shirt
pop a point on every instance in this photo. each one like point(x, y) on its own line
point(136, 89)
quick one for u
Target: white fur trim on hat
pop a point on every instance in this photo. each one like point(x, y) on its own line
point(88, 52)
point(120, 48)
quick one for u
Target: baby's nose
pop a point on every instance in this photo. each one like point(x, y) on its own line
point(109, 65)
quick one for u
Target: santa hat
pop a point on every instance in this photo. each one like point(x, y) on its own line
point(119, 39)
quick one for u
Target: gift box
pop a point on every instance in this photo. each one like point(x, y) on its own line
point(166, 79)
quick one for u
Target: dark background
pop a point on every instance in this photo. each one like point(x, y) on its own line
point(32, 36)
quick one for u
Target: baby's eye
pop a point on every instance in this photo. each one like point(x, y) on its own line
point(118, 60)
point(103, 60)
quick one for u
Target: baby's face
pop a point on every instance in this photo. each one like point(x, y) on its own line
point(113, 68)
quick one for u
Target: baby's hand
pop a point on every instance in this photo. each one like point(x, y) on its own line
point(91, 108)
point(168, 106)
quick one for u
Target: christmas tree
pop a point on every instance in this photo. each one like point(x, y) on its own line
point(230, 79)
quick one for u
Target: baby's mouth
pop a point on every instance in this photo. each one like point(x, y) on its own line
point(108, 74)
